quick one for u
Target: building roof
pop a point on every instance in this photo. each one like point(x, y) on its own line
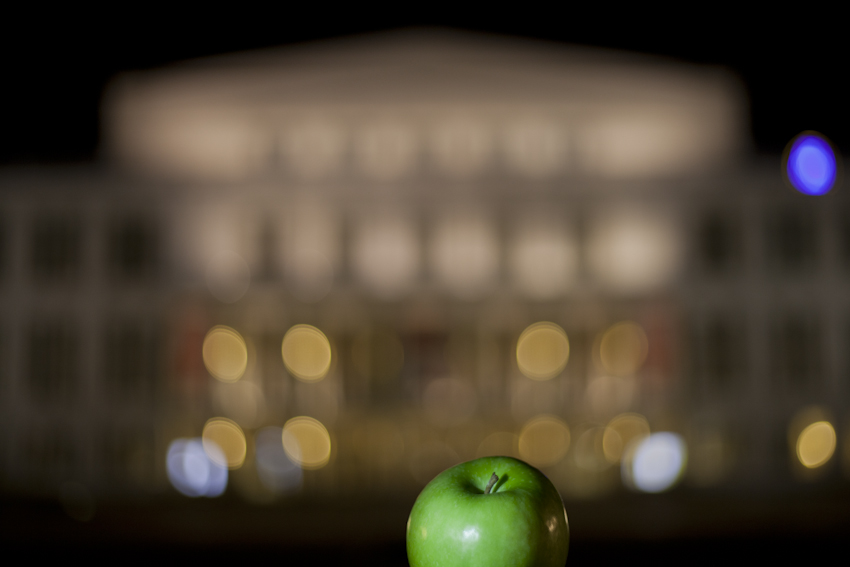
point(430, 65)
point(428, 70)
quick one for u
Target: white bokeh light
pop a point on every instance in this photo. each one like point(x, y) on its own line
point(657, 463)
point(192, 472)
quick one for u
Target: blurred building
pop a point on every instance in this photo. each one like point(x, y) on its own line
point(472, 245)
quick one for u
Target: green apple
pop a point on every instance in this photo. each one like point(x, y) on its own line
point(490, 512)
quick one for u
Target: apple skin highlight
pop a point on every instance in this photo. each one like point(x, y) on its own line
point(520, 523)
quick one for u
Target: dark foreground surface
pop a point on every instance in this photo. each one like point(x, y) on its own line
point(629, 531)
point(628, 553)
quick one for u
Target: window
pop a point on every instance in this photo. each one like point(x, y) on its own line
point(56, 248)
point(792, 241)
point(795, 351)
point(129, 359)
point(721, 351)
point(724, 350)
point(132, 249)
point(52, 355)
point(719, 243)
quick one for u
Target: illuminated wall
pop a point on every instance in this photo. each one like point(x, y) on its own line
point(357, 263)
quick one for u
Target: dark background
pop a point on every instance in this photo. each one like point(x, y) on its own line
point(55, 64)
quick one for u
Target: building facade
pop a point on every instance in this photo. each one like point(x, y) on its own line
point(356, 263)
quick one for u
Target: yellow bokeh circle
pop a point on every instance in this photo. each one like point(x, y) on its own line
point(542, 351)
point(544, 440)
point(229, 438)
point(623, 348)
point(621, 432)
point(306, 353)
point(307, 442)
point(816, 444)
point(225, 354)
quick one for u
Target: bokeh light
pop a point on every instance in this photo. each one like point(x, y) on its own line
point(542, 351)
point(811, 441)
point(307, 442)
point(621, 432)
point(816, 444)
point(306, 353)
point(657, 462)
point(623, 348)
point(225, 353)
point(275, 469)
point(224, 441)
point(544, 440)
point(192, 472)
point(810, 164)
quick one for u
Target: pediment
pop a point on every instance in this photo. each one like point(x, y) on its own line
point(232, 113)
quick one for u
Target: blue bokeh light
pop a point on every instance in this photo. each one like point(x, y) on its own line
point(192, 472)
point(811, 165)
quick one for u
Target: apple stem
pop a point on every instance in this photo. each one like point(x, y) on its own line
point(493, 480)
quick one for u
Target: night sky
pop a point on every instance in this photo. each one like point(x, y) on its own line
point(55, 65)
